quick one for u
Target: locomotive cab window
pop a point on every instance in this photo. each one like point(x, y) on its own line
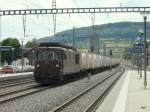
point(45, 55)
point(50, 55)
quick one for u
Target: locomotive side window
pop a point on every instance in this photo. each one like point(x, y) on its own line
point(58, 55)
point(77, 58)
point(64, 56)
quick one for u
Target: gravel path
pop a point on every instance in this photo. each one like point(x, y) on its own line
point(48, 99)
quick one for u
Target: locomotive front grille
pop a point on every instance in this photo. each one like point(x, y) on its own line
point(47, 69)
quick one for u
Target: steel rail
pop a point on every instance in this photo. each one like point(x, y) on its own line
point(16, 91)
point(8, 81)
point(101, 96)
point(24, 92)
point(64, 105)
point(16, 83)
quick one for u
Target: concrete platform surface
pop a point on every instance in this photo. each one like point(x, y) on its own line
point(15, 75)
point(128, 95)
point(138, 99)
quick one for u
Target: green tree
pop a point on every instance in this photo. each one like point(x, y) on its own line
point(31, 44)
point(30, 54)
point(8, 55)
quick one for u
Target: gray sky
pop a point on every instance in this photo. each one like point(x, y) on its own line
point(40, 26)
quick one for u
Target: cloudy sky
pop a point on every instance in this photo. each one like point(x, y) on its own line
point(42, 25)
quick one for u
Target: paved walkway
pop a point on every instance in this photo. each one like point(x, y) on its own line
point(129, 95)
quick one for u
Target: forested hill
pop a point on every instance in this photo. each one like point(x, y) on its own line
point(120, 30)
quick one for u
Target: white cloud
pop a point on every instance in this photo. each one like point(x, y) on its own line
point(42, 26)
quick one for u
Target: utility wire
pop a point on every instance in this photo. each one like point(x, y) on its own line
point(75, 2)
point(91, 19)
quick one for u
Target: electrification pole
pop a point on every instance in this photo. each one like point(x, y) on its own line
point(93, 22)
point(24, 33)
point(110, 54)
point(104, 54)
point(54, 15)
point(22, 60)
point(132, 53)
point(73, 37)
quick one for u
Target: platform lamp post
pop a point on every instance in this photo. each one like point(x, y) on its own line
point(141, 34)
point(145, 14)
point(132, 62)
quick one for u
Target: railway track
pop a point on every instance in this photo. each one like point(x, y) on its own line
point(15, 94)
point(7, 96)
point(14, 79)
point(15, 83)
point(100, 97)
point(72, 104)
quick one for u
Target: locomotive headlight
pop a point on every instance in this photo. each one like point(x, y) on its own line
point(37, 65)
point(57, 65)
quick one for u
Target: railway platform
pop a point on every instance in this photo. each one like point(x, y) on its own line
point(15, 75)
point(128, 95)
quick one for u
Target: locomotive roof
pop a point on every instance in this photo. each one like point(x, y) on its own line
point(55, 45)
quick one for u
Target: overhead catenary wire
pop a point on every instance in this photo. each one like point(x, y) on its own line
point(71, 20)
point(91, 19)
point(76, 3)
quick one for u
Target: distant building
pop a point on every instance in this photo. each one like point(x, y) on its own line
point(19, 62)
